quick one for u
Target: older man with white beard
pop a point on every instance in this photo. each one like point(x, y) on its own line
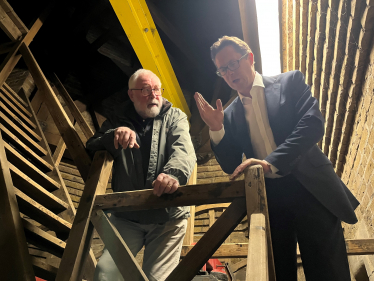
point(152, 149)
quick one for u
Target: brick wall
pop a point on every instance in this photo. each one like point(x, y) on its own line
point(359, 169)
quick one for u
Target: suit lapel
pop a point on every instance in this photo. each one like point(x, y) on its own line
point(274, 102)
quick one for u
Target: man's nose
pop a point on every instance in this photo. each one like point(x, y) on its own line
point(153, 94)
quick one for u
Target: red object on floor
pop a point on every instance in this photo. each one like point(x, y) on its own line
point(212, 265)
point(39, 279)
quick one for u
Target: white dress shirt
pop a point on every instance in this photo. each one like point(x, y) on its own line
point(256, 115)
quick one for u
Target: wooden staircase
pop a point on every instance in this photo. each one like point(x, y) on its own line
point(36, 211)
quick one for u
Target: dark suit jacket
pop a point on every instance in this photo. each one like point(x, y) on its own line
point(297, 126)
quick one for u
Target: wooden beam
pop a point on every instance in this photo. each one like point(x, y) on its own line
point(248, 16)
point(87, 131)
point(76, 251)
point(290, 34)
point(13, 16)
point(14, 256)
point(119, 251)
point(240, 250)
point(138, 24)
point(8, 26)
point(203, 208)
point(184, 196)
point(66, 128)
point(282, 4)
point(257, 204)
point(210, 242)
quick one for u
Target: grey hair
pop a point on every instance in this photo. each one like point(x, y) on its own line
point(134, 77)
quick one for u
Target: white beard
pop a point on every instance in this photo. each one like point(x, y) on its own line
point(148, 112)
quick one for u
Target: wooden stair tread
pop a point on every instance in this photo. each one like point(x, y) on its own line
point(16, 111)
point(43, 270)
point(10, 90)
point(9, 124)
point(15, 102)
point(29, 169)
point(36, 192)
point(26, 128)
point(39, 213)
point(25, 149)
point(43, 240)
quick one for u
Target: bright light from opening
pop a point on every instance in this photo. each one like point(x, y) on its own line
point(268, 30)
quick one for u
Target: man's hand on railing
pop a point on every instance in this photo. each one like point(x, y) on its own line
point(250, 162)
point(125, 137)
point(164, 184)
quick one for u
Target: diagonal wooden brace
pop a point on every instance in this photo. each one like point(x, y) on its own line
point(119, 251)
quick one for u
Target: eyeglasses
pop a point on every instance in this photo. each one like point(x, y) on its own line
point(148, 91)
point(232, 66)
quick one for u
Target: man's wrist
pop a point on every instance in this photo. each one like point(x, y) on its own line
point(216, 128)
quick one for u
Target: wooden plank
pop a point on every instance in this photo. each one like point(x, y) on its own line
point(257, 204)
point(39, 213)
point(35, 191)
point(59, 152)
point(15, 101)
point(15, 109)
point(43, 270)
point(14, 254)
point(13, 16)
point(43, 240)
point(282, 4)
point(29, 169)
point(212, 217)
point(19, 122)
point(203, 208)
point(184, 196)
point(225, 251)
point(6, 122)
point(289, 38)
point(239, 265)
point(210, 242)
point(73, 108)
point(25, 149)
point(248, 16)
point(6, 87)
point(257, 262)
point(65, 127)
point(8, 26)
point(119, 251)
point(9, 62)
point(76, 251)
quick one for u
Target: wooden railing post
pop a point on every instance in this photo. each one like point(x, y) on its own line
point(257, 204)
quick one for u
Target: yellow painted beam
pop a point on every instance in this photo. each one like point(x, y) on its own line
point(138, 24)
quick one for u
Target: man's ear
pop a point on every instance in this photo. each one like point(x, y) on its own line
point(131, 95)
point(251, 58)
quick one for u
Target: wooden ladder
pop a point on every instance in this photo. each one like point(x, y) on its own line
point(36, 211)
point(248, 197)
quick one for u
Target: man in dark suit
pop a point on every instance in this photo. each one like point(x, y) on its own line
point(276, 123)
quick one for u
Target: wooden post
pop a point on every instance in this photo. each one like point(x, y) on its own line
point(15, 261)
point(257, 261)
point(76, 251)
point(248, 16)
point(119, 251)
point(257, 204)
point(188, 238)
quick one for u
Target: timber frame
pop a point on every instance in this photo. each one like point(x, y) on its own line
point(248, 197)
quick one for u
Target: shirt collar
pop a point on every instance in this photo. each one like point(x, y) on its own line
point(257, 82)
